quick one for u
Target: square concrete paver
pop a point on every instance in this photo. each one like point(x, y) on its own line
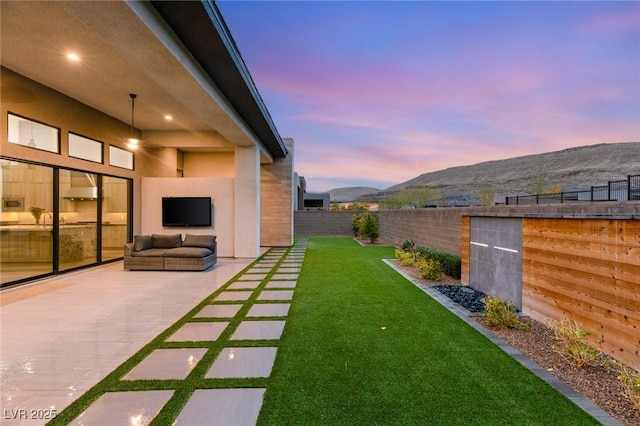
point(163, 364)
point(269, 310)
point(281, 284)
point(243, 285)
point(258, 330)
point(259, 269)
point(230, 296)
point(252, 277)
point(123, 408)
point(219, 311)
point(198, 331)
point(222, 407)
point(276, 295)
point(243, 362)
point(288, 270)
point(285, 277)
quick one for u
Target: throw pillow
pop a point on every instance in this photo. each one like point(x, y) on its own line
point(142, 242)
point(204, 241)
point(166, 241)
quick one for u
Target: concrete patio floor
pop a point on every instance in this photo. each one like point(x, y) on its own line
point(60, 336)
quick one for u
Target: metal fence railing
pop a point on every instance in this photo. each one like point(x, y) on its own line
point(617, 190)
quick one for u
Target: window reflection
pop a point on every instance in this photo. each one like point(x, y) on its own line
point(26, 232)
point(114, 216)
point(23, 131)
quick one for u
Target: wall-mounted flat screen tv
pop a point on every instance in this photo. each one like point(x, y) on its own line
point(186, 211)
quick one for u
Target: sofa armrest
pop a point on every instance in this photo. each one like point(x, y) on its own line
point(128, 249)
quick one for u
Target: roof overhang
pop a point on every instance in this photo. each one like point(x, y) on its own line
point(193, 72)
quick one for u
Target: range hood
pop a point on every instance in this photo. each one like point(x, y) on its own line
point(82, 193)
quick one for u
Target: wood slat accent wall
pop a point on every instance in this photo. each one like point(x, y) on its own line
point(464, 249)
point(587, 270)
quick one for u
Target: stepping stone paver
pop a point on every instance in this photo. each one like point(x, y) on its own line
point(258, 330)
point(269, 310)
point(163, 364)
point(226, 406)
point(276, 295)
point(243, 363)
point(218, 311)
point(281, 284)
point(123, 408)
point(198, 331)
point(232, 296)
point(240, 285)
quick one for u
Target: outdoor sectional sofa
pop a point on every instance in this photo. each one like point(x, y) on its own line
point(171, 253)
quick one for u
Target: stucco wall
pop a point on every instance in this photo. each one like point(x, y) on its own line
point(221, 192)
point(27, 98)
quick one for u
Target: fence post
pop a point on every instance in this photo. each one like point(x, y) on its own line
point(628, 187)
point(591, 193)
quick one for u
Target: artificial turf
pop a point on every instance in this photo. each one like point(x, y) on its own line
point(362, 345)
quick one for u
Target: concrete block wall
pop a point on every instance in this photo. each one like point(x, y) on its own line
point(323, 223)
point(276, 200)
point(441, 228)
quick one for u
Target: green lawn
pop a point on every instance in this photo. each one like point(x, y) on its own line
point(362, 345)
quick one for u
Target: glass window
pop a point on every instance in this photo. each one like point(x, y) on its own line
point(119, 157)
point(23, 131)
point(78, 219)
point(85, 148)
point(114, 216)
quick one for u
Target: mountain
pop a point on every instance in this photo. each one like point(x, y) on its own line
point(572, 168)
point(350, 193)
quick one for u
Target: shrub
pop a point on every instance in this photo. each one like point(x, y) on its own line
point(630, 379)
point(429, 269)
point(408, 245)
point(451, 264)
point(356, 223)
point(369, 227)
point(405, 257)
point(574, 347)
point(502, 314)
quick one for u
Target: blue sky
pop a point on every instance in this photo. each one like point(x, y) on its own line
point(376, 93)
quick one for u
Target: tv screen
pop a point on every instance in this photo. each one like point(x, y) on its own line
point(186, 211)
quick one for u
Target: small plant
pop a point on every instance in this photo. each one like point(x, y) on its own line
point(574, 348)
point(405, 257)
point(429, 269)
point(630, 379)
point(36, 212)
point(408, 245)
point(369, 227)
point(356, 222)
point(502, 314)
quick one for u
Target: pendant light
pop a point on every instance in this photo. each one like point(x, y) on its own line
point(133, 142)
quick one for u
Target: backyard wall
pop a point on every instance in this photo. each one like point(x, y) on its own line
point(587, 270)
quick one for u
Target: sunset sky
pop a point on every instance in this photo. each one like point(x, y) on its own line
point(376, 93)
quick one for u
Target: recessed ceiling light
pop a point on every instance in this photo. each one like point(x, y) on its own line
point(168, 117)
point(73, 57)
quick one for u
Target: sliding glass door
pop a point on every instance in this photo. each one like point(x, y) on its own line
point(26, 221)
point(54, 220)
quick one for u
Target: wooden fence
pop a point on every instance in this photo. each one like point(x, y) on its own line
point(587, 270)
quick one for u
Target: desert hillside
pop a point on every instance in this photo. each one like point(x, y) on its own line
point(572, 168)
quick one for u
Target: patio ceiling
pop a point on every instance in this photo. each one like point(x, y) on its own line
point(129, 48)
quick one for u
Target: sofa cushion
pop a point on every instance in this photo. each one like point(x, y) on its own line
point(166, 241)
point(142, 242)
point(152, 252)
point(188, 252)
point(205, 241)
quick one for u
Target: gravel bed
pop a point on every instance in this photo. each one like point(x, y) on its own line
point(466, 296)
